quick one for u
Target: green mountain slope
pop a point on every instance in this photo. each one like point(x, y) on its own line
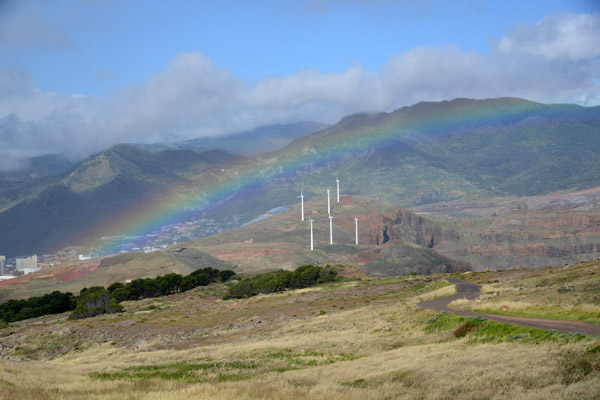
point(433, 152)
point(50, 213)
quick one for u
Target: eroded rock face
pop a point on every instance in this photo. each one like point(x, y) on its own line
point(519, 239)
point(529, 239)
point(377, 229)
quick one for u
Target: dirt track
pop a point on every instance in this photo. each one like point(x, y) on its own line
point(471, 291)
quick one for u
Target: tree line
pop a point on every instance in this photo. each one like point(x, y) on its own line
point(98, 300)
point(52, 303)
point(302, 277)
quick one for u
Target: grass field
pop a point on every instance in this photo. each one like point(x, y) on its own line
point(355, 339)
point(569, 292)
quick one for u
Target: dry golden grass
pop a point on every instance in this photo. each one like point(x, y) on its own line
point(354, 340)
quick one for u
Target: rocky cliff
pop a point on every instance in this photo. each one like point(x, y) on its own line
point(527, 239)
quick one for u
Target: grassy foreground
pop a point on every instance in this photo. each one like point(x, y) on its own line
point(356, 339)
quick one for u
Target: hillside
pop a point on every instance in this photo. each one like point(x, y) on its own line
point(85, 203)
point(436, 152)
point(73, 276)
point(426, 154)
point(392, 241)
point(353, 339)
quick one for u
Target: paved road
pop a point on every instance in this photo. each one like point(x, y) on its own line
point(471, 291)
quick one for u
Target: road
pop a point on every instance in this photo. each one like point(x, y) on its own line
point(471, 291)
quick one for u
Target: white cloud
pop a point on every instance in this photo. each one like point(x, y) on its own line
point(555, 60)
point(573, 36)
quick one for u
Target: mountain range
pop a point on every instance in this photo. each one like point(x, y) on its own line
point(425, 154)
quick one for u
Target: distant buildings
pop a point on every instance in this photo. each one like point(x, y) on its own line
point(27, 265)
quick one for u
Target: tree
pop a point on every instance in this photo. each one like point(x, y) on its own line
point(188, 282)
point(95, 301)
point(226, 275)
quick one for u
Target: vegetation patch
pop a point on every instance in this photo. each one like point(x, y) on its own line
point(406, 378)
point(98, 300)
point(546, 312)
point(470, 325)
point(209, 370)
point(577, 366)
point(302, 277)
point(479, 329)
point(53, 303)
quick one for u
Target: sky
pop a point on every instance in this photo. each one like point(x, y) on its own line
point(77, 76)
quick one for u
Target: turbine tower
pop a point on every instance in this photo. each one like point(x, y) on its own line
point(311, 234)
point(337, 181)
point(302, 202)
point(356, 229)
point(330, 230)
point(328, 203)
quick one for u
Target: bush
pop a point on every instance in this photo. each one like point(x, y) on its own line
point(303, 276)
point(95, 301)
point(188, 282)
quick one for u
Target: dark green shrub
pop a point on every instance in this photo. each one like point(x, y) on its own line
point(303, 276)
point(52, 303)
point(115, 286)
point(188, 282)
point(95, 301)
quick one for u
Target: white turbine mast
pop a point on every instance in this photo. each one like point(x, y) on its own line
point(311, 233)
point(356, 229)
point(302, 202)
point(328, 203)
point(330, 230)
point(337, 181)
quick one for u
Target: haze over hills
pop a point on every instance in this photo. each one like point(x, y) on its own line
point(46, 214)
point(35, 167)
point(417, 155)
point(258, 141)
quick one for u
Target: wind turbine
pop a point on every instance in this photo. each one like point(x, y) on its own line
point(302, 202)
point(356, 228)
point(330, 230)
point(311, 234)
point(328, 203)
point(337, 181)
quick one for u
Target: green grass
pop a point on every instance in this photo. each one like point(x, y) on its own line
point(481, 330)
point(549, 312)
point(209, 370)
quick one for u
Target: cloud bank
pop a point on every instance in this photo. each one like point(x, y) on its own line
point(554, 60)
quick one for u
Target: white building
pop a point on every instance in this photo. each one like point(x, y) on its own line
point(2, 264)
point(27, 262)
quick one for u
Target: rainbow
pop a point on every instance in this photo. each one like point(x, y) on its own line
point(351, 135)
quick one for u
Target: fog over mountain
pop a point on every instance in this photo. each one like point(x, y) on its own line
point(554, 60)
